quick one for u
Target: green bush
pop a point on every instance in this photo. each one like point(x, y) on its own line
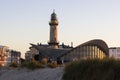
point(15, 65)
point(94, 69)
point(34, 65)
point(53, 64)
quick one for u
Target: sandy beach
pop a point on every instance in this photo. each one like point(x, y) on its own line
point(39, 74)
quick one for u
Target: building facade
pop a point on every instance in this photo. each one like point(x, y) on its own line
point(4, 55)
point(94, 49)
point(114, 52)
point(15, 56)
point(29, 55)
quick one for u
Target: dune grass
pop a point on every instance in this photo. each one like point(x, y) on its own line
point(94, 69)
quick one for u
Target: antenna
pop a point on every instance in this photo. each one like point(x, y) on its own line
point(71, 44)
point(53, 10)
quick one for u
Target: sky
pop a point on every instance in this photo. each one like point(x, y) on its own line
point(26, 21)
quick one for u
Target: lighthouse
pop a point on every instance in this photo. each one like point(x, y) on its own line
point(53, 42)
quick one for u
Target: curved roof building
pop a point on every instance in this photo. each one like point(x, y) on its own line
point(92, 49)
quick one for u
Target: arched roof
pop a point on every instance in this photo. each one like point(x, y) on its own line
point(97, 42)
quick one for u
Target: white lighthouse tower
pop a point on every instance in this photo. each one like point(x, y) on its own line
point(53, 43)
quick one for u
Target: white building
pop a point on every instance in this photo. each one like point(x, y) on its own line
point(114, 52)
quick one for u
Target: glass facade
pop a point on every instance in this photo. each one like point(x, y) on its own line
point(85, 52)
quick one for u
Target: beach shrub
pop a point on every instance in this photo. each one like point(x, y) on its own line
point(0, 65)
point(53, 64)
point(34, 65)
point(94, 69)
point(23, 64)
point(14, 64)
point(44, 61)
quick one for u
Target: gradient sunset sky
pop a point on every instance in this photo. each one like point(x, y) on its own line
point(26, 21)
